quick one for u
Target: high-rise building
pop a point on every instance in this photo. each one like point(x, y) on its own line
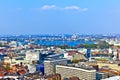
point(88, 54)
point(50, 65)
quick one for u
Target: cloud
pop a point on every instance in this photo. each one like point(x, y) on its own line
point(54, 7)
point(71, 8)
point(75, 8)
point(48, 7)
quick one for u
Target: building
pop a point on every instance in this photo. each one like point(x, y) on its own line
point(37, 76)
point(56, 55)
point(115, 53)
point(13, 44)
point(7, 60)
point(31, 68)
point(32, 56)
point(100, 75)
point(81, 73)
point(40, 68)
point(72, 78)
point(119, 56)
point(2, 57)
point(88, 54)
point(50, 65)
point(74, 55)
point(78, 57)
point(113, 78)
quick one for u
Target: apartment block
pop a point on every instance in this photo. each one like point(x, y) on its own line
point(82, 74)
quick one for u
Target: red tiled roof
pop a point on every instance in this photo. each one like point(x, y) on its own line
point(2, 73)
point(22, 72)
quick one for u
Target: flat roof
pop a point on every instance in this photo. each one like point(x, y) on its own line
point(77, 68)
point(54, 59)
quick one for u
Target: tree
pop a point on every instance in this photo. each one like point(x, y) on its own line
point(7, 66)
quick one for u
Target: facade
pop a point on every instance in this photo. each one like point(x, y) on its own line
point(13, 44)
point(78, 57)
point(50, 65)
point(32, 56)
point(113, 78)
point(88, 54)
point(100, 76)
point(72, 78)
point(119, 56)
point(82, 74)
point(32, 68)
point(7, 60)
point(40, 68)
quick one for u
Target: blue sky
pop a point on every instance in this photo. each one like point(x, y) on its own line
point(59, 16)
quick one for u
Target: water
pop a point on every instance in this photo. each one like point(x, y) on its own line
point(60, 42)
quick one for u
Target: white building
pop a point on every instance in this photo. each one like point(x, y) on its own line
point(32, 68)
point(68, 71)
point(13, 44)
point(32, 56)
point(113, 78)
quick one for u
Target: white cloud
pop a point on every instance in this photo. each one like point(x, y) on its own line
point(72, 8)
point(75, 8)
point(48, 7)
point(54, 7)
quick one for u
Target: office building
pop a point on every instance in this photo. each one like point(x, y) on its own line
point(81, 73)
point(50, 64)
point(88, 54)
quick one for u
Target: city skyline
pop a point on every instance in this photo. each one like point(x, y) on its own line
point(59, 17)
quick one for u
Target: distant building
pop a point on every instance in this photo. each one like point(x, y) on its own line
point(13, 44)
point(74, 55)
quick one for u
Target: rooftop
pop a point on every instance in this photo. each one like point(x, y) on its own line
point(54, 59)
point(81, 66)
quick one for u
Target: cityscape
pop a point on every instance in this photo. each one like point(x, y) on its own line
point(60, 57)
point(59, 40)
